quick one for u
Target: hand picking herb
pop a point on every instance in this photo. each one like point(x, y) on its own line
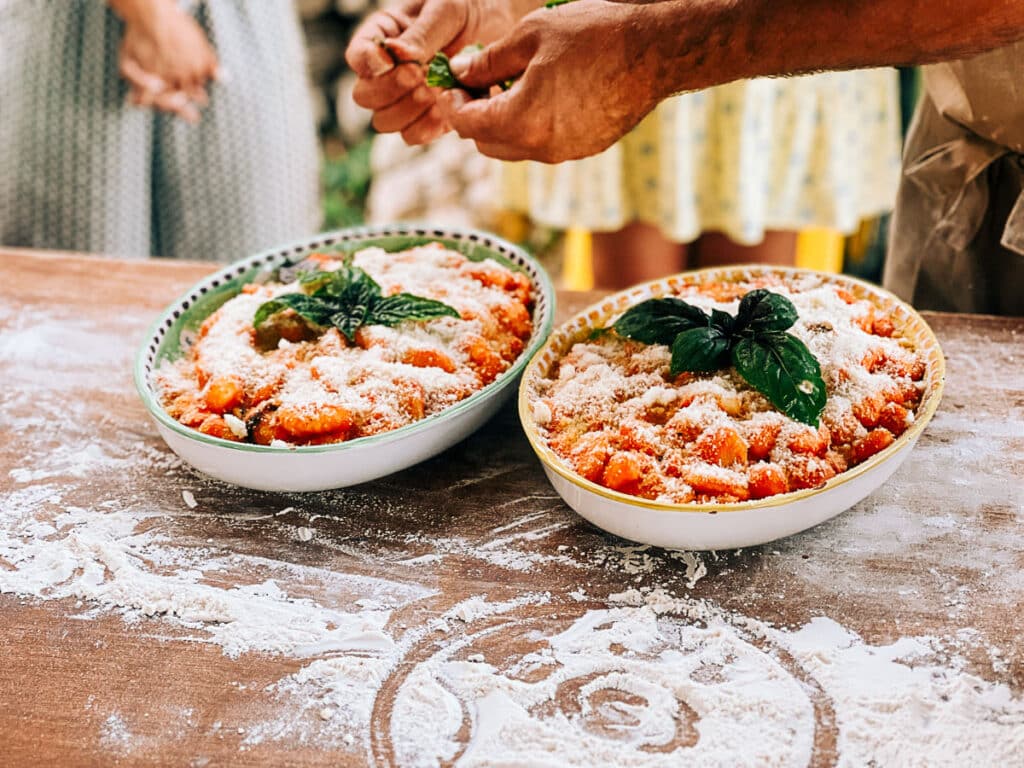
point(440, 75)
point(347, 298)
point(754, 341)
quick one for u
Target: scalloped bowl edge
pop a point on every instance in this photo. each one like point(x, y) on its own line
point(337, 465)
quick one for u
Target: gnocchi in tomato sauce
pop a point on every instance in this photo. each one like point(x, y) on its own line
point(309, 386)
point(612, 411)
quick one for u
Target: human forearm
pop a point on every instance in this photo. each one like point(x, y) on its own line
point(587, 72)
point(693, 44)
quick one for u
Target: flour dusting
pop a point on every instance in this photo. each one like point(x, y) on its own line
point(114, 734)
point(571, 649)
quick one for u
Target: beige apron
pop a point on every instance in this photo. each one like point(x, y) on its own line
point(957, 240)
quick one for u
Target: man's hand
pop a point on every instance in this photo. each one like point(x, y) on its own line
point(165, 57)
point(589, 70)
point(390, 49)
point(586, 74)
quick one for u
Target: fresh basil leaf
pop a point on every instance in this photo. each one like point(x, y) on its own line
point(348, 298)
point(782, 368)
point(266, 309)
point(723, 321)
point(347, 323)
point(659, 321)
point(340, 282)
point(439, 73)
point(699, 350)
point(763, 311)
point(313, 281)
point(353, 305)
point(309, 307)
point(392, 310)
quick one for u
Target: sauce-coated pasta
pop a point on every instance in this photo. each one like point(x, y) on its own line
point(289, 384)
point(613, 412)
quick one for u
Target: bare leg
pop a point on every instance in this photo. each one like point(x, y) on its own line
point(636, 253)
point(716, 250)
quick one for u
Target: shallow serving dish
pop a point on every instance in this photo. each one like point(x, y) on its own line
point(726, 525)
point(319, 467)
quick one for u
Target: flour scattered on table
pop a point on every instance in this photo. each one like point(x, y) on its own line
point(648, 676)
point(642, 686)
point(695, 568)
point(114, 734)
point(614, 688)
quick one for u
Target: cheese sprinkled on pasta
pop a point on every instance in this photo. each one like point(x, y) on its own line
point(320, 388)
point(612, 410)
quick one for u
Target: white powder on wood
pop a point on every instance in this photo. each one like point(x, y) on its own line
point(652, 679)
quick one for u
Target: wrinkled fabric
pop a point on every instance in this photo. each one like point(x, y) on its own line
point(957, 237)
point(82, 170)
point(742, 158)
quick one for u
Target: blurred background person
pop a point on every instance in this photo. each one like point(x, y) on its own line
point(726, 176)
point(191, 168)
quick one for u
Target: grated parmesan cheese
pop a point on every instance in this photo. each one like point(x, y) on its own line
point(712, 437)
point(236, 425)
point(326, 389)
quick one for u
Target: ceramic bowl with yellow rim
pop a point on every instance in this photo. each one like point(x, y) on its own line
point(730, 522)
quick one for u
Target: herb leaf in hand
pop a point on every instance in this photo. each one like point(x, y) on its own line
point(440, 75)
point(754, 341)
point(348, 298)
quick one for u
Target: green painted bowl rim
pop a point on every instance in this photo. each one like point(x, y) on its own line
point(475, 244)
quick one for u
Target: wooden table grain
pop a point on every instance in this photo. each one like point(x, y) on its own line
point(936, 552)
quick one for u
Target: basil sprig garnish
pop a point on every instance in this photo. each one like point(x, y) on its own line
point(754, 341)
point(347, 298)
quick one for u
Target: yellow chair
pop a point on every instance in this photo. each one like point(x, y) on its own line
point(577, 268)
point(820, 249)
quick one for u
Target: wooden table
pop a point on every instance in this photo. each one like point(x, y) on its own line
point(340, 628)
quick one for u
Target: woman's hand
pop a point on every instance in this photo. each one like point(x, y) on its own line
point(165, 57)
point(585, 74)
point(390, 49)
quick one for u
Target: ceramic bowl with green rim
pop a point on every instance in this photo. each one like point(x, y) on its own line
point(336, 465)
point(737, 524)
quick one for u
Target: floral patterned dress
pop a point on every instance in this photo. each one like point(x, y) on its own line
point(814, 151)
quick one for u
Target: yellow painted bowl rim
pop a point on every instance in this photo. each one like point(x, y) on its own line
point(908, 323)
